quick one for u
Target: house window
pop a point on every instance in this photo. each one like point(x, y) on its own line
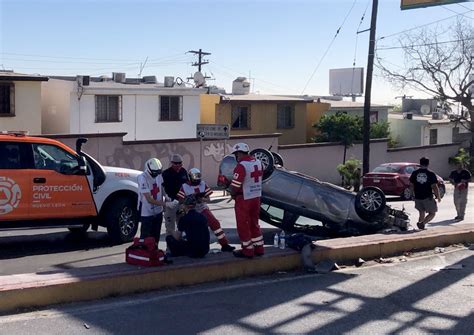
point(241, 117)
point(7, 99)
point(285, 116)
point(108, 108)
point(433, 136)
point(171, 108)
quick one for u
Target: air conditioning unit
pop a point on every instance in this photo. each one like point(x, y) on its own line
point(149, 79)
point(408, 116)
point(118, 77)
point(83, 80)
point(437, 116)
point(169, 81)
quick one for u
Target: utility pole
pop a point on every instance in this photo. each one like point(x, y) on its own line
point(200, 53)
point(368, 88)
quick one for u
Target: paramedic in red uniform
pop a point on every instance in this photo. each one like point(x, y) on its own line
point(198, 187)
point(246, 189)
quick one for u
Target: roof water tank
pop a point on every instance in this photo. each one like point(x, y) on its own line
point(118, 77)
point(169, 81)
point(240, 86)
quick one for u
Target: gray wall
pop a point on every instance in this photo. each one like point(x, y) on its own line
point(319, 160)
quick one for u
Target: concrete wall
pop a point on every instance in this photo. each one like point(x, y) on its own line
point(140, 113)
point(445, 133)
point(318, 160)
point(208, 107)
point(55, 103)
point(27, 108)
point(407, 133)
point(314, 113)
point(263, 120)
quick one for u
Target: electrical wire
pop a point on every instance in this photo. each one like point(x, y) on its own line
point(425, 44)
point(356, 43)
point(423, 25)
point(328, 48)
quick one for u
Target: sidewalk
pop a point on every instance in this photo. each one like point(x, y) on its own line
point(90, 283)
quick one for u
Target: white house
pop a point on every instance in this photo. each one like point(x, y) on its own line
point(421, 130)
point(143, 108)
point(20, 102)
point(378, 113)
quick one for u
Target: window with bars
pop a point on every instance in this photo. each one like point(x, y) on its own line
point(241, 117)
point(171, 108)
point(7, 99)
point(285, 116)
point(108, 108)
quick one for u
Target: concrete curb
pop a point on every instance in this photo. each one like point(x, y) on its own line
point(35, 290)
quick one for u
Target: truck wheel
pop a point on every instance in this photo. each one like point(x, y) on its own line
point(80, 230)
point(369, 202)
point(121, 219)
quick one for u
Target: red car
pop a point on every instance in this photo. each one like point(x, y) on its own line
point(394, 179)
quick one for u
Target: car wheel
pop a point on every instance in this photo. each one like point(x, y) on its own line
point(442, 190)
point(369, 202)
point(277, 159)
point(267, 161)
point(407, 194)
point(121, 219)
point(80, 230)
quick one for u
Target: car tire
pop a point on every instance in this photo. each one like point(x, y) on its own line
point(121, 219)
point(266, 158)
point(407, 194)
point(370, 202)
point(81, 229)
point(277, 159)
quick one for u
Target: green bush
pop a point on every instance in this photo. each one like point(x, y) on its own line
point(350, 172)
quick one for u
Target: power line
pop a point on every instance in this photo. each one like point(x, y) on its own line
point(423, 25)
point(425, 44)
point(328, 48)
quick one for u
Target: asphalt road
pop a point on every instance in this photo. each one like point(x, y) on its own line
point(29, 251)
point(409, 296)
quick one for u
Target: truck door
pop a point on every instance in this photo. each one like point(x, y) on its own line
point(15, 182)
point(58, 191)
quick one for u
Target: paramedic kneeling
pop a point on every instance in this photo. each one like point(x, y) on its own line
point(192, 237)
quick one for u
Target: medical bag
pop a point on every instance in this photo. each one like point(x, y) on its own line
point(144, 252)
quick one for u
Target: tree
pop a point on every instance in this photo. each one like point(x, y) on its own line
point(439, 63)
point(347, 129)
point(339, 127)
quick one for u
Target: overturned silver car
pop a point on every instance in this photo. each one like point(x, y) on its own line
point(287, 195)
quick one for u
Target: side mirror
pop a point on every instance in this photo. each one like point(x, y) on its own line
point(79, 142)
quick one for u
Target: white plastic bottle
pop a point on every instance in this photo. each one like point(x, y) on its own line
point(276, 241)
point(282, 240)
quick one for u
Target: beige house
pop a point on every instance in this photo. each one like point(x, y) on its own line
point(20, 102)
point(252, 114)
point(378, 113)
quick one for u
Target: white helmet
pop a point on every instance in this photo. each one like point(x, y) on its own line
point(242, 147)
point(153, 167)
point(194, 176)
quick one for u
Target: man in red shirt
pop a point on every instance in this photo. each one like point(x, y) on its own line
point(246, 189)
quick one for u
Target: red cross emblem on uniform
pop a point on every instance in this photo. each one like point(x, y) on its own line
point(154, 191)
point(256, 174)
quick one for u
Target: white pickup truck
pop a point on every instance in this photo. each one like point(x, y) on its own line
point(44, 183)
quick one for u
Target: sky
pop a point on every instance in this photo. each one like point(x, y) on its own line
point(284, 46)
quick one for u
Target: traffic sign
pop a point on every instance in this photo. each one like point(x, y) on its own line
point(213, 131)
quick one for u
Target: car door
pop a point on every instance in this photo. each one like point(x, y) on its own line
point(15, 182)
point(406, 173)
point(58, 191)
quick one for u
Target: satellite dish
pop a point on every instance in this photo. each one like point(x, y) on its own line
point(425, 109)
point(199, 79)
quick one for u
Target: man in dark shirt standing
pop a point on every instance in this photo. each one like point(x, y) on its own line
point(192, 238)
point(460, 179)
point(423, 183)
point(173, 177)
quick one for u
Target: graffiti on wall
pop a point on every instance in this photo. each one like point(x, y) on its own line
point(216, 151)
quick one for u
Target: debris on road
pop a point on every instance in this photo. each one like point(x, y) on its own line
point(450, 267)
point(382, 260)
point(326, 266)
point(439, 250)
point(359, 262)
